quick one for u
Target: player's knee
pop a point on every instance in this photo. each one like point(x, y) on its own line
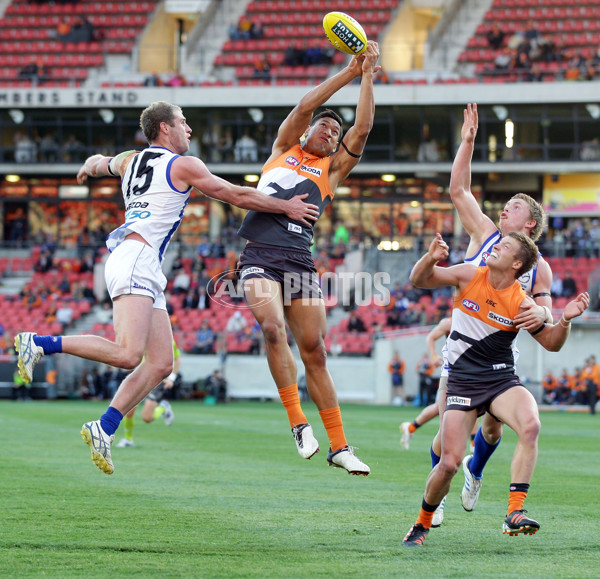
point(531, 430)
point(274, 332)
point(314, 354)
point(449, 466)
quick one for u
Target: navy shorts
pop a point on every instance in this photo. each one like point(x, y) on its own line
point(293, 269)
point(465, 397)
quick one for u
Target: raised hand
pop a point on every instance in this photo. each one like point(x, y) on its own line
point(470, 123)
point(438, 248)
point(576, 307)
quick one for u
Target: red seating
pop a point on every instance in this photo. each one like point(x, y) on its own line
point(27, 33)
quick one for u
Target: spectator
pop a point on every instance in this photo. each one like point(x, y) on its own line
point(504, 60)
point(49, 149)
point(381, 77)
point(313, 56)
point(556, 289)
point(245, 27)
point(294, 55)
point(205, 339)
point(64, 314)
point(569, 285)
point(246, 149)
point(234, 32)
point(203, 298)
point(25, 148)
point(549, 384)
point(393, 318)
point(45, 262)
point(216, 386)
point(262, 68)
point(425, 371)
point(73, 150)
point(190, 300)
point(591, 378)
point(237, 325)
point(396, 369)
point(153, 80)
point(355, 324)
point(256, 31)
point(495, 36)
point(181, 283)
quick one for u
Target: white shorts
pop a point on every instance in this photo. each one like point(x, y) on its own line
point(133, 268)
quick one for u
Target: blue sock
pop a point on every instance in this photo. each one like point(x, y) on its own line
point(110, 420)
point(482, 453)
point(50, 344)
point(434, 457)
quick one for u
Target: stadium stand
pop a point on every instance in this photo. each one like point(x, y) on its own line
point(565, 33)
point(34, 50)
point(280, 31)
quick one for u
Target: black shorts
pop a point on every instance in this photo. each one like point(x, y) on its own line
point(157, 394)
point(477, 397)
point(293, 269)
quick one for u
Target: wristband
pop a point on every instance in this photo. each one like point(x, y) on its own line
point(539, 329)
point(548, 317)
point(172, 376)
point(563, 319)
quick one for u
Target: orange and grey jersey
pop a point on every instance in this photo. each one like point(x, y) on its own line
point(292, 173)
point(527, 280)
point(481, 340)
point(153, 206)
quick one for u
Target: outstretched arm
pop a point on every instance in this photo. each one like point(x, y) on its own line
point(356, 137)
point(192, 171)
point(553, 337)
point(101, 166)
point(476, 223)
point(427, 274)
point(294, 126)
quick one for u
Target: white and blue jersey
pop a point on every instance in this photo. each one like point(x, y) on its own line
point(527, 280)
point(153, 206)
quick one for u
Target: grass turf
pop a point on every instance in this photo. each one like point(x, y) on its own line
point(223, 493)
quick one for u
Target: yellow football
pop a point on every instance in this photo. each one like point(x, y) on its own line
point(345, 33)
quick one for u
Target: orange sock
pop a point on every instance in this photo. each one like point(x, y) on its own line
point(425, 518)
point(412, 428)
point(291, 402)
point(332, 421)
point(515, 501)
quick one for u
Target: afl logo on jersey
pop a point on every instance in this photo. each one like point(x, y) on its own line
point(484, 256)
point(291, 160)
point(470, 305)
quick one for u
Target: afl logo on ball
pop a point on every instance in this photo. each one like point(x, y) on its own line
point(470, 305)
point(292, 161)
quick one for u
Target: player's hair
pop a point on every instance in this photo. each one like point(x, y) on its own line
point(536, 212)
point(155, 114)
point(527, 252)
point(332, 115)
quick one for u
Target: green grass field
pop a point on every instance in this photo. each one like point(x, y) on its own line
point(223, 493)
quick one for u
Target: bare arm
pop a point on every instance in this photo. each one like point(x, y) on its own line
point(101, 166)
point(553, 337)
point(478, 225)
point(441, 330)
point(294, 126)
point(356, 137)
point(427, 274)
point(192, 171)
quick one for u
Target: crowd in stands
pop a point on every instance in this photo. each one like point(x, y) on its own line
point(245, 29)
point(46, 149)
point(582, 386)
point(297, 54)
point(525, 52)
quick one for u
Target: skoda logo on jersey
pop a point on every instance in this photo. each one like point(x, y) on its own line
point(470, 305)
point(291, 160)
point(311, 170)
point(500, 319)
